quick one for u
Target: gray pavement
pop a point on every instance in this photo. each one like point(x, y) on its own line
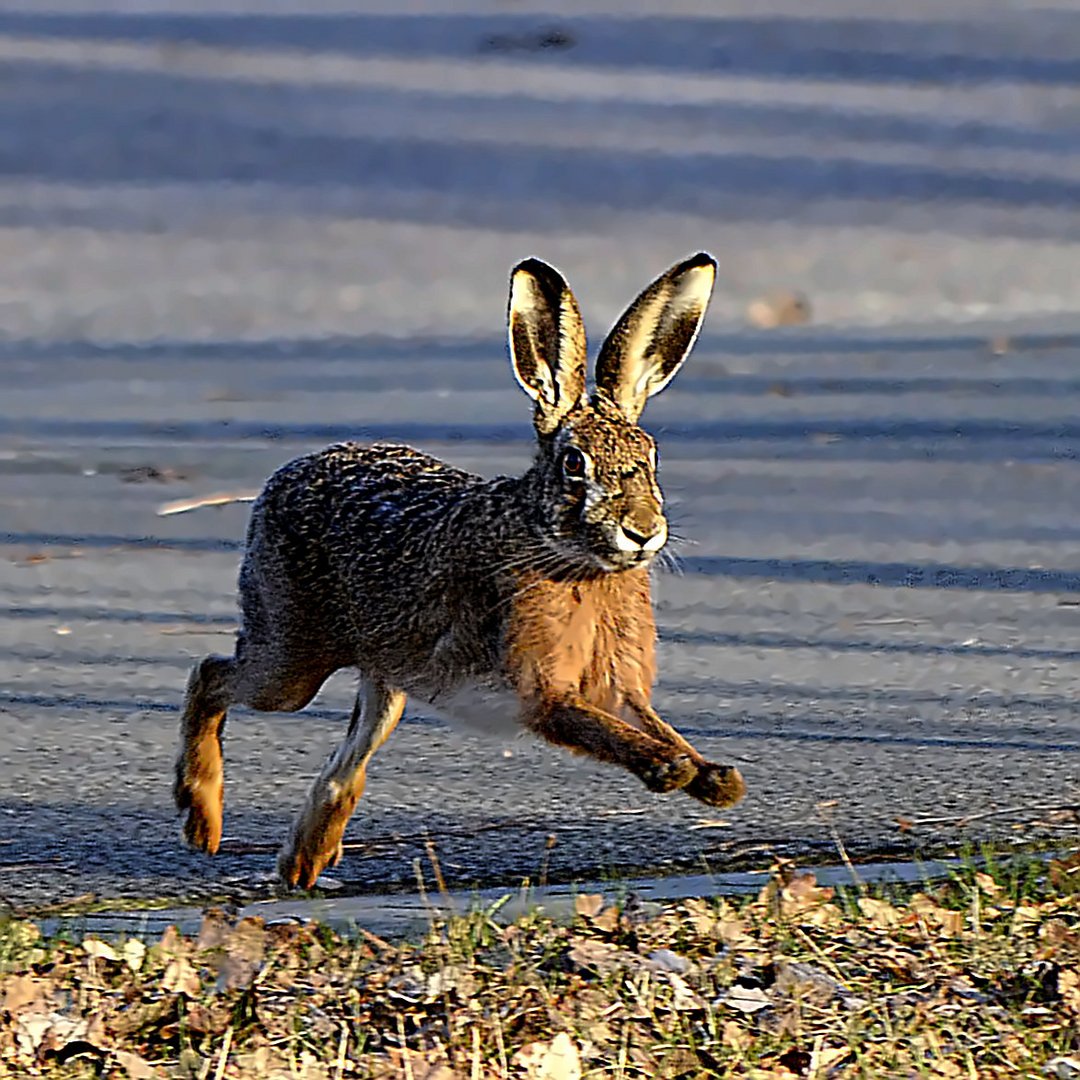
point(231, 236)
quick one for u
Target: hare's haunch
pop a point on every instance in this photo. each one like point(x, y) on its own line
point(515, 602)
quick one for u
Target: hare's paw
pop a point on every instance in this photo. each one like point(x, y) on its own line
point(201, 803)
point(664, 776)
point(299, 866)
point(717, 785)
point(316, 840)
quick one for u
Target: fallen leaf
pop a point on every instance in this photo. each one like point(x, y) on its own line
point(588, 905)
point(19, 992)
point(746, 999)
point(666, 960)
point(181, 978)
point(245, 949)
point(880, 913)
point(943, 920)
point(100, 950)
point(134, 953)
point(1063, 1068)
point(136, 1067)
point(554, 1060)
point(735, 1036)
point(600, 957)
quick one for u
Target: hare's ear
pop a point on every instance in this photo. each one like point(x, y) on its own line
point(654, 336)
point(547, 342)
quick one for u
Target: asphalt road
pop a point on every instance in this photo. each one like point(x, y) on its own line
point(227, 240)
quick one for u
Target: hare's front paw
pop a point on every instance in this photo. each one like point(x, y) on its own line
point(717, 785)
point(669, 775)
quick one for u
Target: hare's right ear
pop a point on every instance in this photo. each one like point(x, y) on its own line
point(547, 342)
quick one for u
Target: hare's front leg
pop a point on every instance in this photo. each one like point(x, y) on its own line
point(716, 785)
point(198, 789)
point(315, 841)
point(572, 722)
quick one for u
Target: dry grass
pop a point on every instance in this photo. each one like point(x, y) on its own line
point(975, 977)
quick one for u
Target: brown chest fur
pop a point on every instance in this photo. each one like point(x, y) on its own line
point(596, 639)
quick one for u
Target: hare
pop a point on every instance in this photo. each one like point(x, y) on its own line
point(522, 601)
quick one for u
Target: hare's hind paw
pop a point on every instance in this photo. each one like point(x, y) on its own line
point(717, 785)
point(202, 809)
point(315, 843)
point(299, 868)
point(669, 775)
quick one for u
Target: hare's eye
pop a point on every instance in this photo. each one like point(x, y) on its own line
point(573, 463)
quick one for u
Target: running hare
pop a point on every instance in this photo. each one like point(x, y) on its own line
point(520, 601)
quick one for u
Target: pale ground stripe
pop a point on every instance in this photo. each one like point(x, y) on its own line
point(1002, 101)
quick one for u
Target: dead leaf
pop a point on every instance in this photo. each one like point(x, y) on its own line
point(215, 931)
point(810, 983)
point(588, 905)
point(1068, 987)
point(99, 950)
point(554, 1060)
point(37, 1032)
point(589, 956)
point(136, 1067)
point(1025, 915)
point(943, 920)
point(1065, 873)
point(880, 913)
point(181, 978)
point(668, 961)
point(683, 998)
point(134, 952)
point(735, 1036)
point(1063, 1068)
point(19, 992)
point(245, 949)
point(451, 979)
point(746, 999)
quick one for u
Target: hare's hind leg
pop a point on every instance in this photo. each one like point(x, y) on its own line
point(716, 785)
point(260, 678)
point(315, 841)
point(198, 789)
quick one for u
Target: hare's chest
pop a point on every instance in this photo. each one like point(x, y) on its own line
point(593, 639)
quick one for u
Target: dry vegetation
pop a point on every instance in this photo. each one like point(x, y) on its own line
point(978, 976)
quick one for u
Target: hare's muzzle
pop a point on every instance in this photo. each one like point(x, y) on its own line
point(641, 538)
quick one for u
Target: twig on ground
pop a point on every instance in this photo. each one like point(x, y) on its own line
point(196, 502)
point(982, 814)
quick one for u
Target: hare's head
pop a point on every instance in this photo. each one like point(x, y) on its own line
point(599, 505)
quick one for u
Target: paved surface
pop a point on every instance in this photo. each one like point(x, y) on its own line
point(229, 237)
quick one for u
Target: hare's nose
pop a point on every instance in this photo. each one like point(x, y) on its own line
point(644, 535)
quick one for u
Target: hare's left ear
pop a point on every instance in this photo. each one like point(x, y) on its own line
point(654, 336)
point(547, 342)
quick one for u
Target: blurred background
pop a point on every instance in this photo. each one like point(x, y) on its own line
point(231, 232)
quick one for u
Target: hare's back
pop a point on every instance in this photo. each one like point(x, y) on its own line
point(357, 490)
